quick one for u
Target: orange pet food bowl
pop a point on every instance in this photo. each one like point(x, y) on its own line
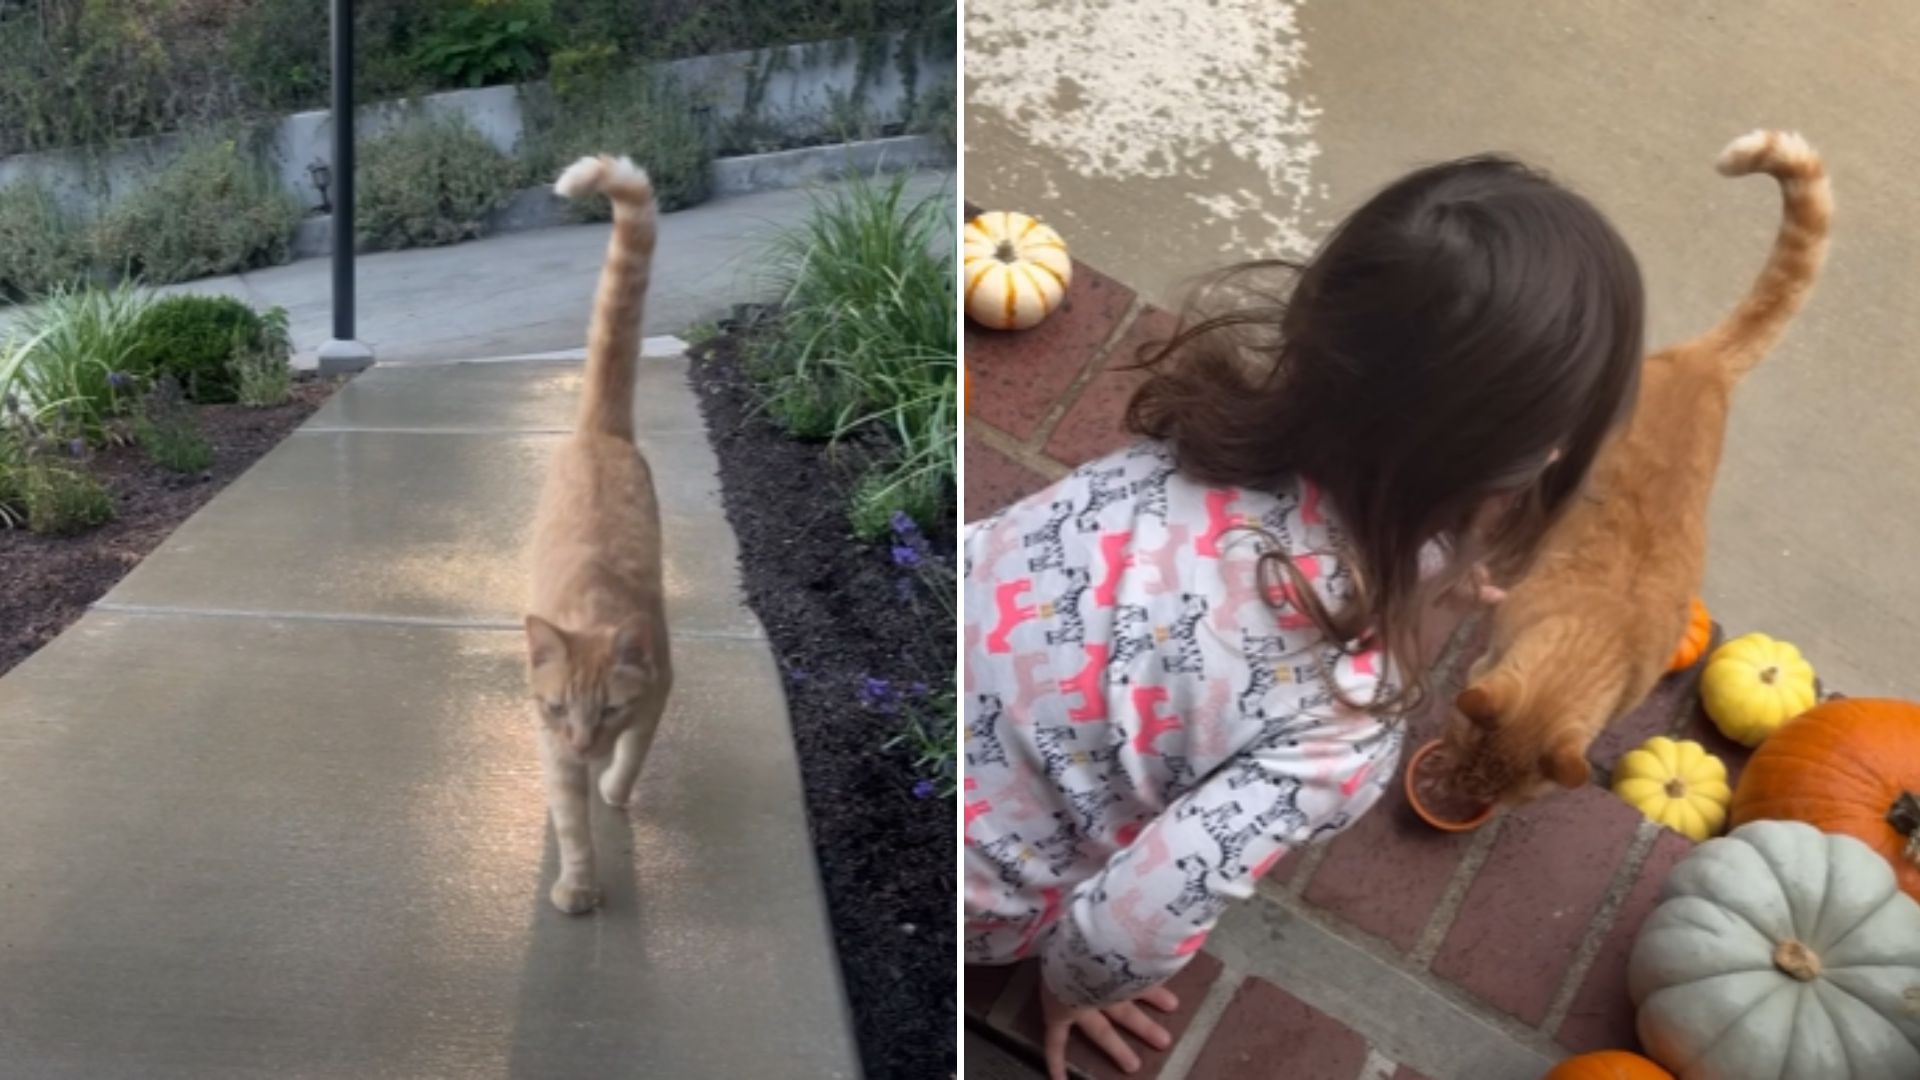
point(1439, 821)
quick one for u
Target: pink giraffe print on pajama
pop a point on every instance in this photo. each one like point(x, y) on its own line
point(1086, 683)
point(1006, 601)
point(1166, 577)
point(1002, 540)
point(1144, 930)
point(1352, 783)
point(1146, 705)
point(1364, 663)
point(975, 808)
point(1218, 522)
point(1207, 731)
point(1155, 854)
point(1028, 690)
point(1310, 504)
point(1113, 560)
point(1282, 592)
point(1240, 582)
point(1022, 798)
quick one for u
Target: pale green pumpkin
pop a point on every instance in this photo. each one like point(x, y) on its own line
point(1784, 952)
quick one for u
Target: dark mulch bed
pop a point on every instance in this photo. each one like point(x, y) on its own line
point(833, 607)
point(50, 580)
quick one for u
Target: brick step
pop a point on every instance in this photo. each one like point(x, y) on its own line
point(1249, 1028)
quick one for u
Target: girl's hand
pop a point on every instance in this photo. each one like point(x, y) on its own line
point(1479, 590)
point(1101, 1026)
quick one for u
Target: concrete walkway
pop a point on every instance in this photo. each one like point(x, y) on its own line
point(1301, 110)
point(273, 807)
point(530, 292)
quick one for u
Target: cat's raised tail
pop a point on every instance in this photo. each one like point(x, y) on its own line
point(1799, 248)
point(613, 341)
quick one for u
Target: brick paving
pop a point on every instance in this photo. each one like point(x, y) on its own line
point(1526, 922)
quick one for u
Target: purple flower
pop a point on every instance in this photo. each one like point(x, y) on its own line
point(77, 448)
point(119, 380)
point(917, 690)
point(875, 692)
point(923, 789)
point(903, 526)
point(904, 557)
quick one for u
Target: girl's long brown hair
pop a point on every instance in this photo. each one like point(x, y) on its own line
point(1456, 332)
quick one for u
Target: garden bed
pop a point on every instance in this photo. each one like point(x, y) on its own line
point(50, 580)
point(850, 628)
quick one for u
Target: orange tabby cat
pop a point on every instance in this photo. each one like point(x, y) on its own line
point(597, 636)
point(1586, 633)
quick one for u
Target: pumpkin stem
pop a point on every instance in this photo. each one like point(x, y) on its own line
point(1904, 816)
point(1676, 789)
point(1768, 675)
point(1005, 253)
point(1794, 958)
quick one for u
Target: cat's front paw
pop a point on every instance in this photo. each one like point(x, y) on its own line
point(617, 790)
point(574, 897)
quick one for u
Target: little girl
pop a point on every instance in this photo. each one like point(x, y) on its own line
point(1191, 657)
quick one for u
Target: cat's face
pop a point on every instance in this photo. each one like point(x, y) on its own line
point(1515, 745)
point(588, 685)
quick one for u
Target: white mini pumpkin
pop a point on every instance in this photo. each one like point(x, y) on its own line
point(1016, 270)
point(1784, 952)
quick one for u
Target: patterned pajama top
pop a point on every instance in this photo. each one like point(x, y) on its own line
point(1145, 734)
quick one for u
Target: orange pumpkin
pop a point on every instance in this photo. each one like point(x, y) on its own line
point(1699, 633)
point(1608, 1065)
point(1850, 766)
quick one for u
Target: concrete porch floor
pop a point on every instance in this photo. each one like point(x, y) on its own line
point(274, 808)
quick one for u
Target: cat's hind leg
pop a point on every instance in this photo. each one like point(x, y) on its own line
point(573, 891)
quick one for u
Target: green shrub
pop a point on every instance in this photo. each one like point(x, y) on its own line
point(41, 248)
point(41, 485)
point(867, 323)
point(80, 366)
point(210, 211)
point(60, 499)
point(431, 180)
point(649, 118)
point(485, 43)
point(167, 430)
point(927, 733)
point(922, 494)
point(194, 339)
point(262, 375)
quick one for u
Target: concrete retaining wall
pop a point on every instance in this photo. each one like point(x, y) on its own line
point(799, 86)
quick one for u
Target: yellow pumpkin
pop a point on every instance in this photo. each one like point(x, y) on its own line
point(1753, 684)
point(1676, 784)
point(1016, 270)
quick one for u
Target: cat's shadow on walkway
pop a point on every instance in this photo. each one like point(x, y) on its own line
point(580, 1012)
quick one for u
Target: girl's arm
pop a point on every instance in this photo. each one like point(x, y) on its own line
point(1134, 925)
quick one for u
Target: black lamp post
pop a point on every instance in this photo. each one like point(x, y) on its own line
point(343, 353)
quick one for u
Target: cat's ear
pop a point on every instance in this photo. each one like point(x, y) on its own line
point(546, 643)
point(1565, 763)
point(1485, 702)
point(635, 645)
